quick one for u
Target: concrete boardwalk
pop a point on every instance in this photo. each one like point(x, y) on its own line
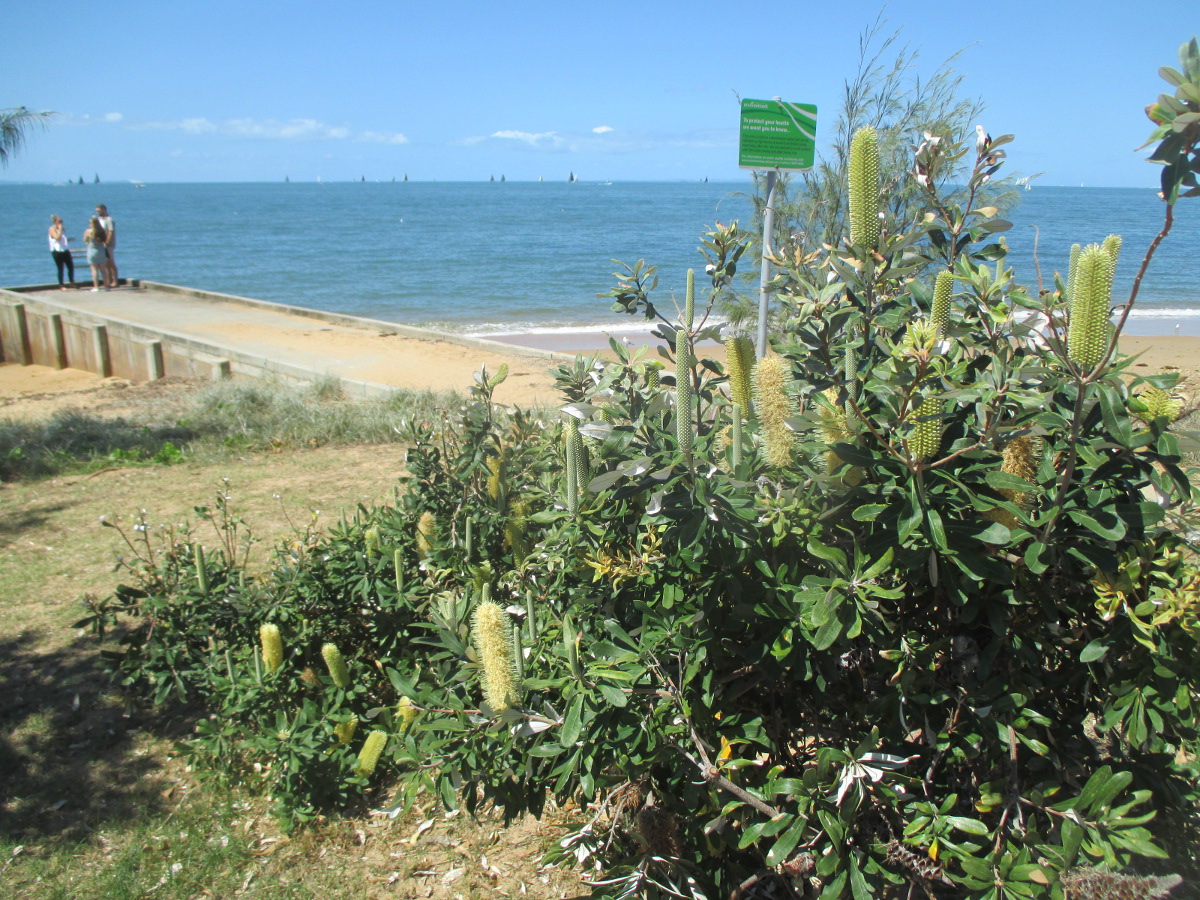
point(263, 339)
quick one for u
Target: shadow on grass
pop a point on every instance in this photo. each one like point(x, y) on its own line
point(70, 439)
point(69, 761)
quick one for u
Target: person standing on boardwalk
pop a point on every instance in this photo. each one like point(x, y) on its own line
point(95, 239)
point(60, 250)
point(110, 268)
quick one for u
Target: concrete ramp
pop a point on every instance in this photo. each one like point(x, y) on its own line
point(145, 330)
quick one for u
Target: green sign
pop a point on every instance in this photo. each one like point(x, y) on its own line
point(778, 135)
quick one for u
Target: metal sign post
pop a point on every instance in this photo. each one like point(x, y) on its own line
point(775, 136)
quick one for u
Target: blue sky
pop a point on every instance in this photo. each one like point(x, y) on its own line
point(238, 90)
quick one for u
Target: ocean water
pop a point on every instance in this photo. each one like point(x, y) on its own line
point(512, 257)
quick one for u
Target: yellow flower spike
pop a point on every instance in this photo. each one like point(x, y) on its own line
point(272, 646)
point(1160, 405)
point(926, 437)
point(1021, 457)
point(775, 407)
point(426, 532)
point(494, 641)
point(407, 712)
point(344, 731)
point(336, 664)
point(863, 178)
point(368, 756)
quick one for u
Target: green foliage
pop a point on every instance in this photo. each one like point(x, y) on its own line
point(925, 624)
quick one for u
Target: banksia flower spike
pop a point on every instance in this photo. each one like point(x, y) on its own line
point(344, 731)
point(1073, 269)
point(835, 428)
point(407, 712)
point(336, 663)
point(577, 465)
point(926, 437)
point(940, 314)
point(1021, 457)
point(201, 570)
point(863, 177)
point(1160, 405)
point(685, 395)
point(426, 532)
point(689, 300)
point(272, 646)
point(739, 362)
point(1088, 330)
point(371, 542)
point(1112, 246)
point(775, 407)
point(368, 756)
point(494, 641)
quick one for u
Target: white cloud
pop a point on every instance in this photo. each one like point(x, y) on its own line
point(382, 137)
point(275, 129)
point(113, 117)
point(602, 129)
point(546, 140)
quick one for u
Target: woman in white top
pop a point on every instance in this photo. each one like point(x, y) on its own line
point(60, 249)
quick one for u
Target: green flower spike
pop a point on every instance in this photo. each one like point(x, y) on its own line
point(864, 188)
point(940, 314)
point(926, 437)
point(1088, 330)
point(685, 396)
point(739, 362)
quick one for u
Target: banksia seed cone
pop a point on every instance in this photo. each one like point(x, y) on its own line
point(494, 641)
point(1088, 330)
point(864, 188)
point(1021, 457)
point(1094, 884)
point(775, 407)
point(272, 646)
point(926, 437)
point(940, 314)
point(660, 830)
point(336, 663)
point(426, 532)
point(368, 756)
point(739, 361)
point(685, 396)
point(344, 731)
point(1160, 405)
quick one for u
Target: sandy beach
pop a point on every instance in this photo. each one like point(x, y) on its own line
point(437, 366)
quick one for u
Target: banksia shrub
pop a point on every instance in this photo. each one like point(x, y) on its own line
point(368, 756)
point(426, 533)
point(1021, 457)
point(272, 646)
point(1088, 329)
point(739, 363)
point(685, 394)
point(926, 437)
point(940, 314)
point(863, 176)
point(344, 731)
point(775, 406)
point(336, 663)
point(497, 656)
